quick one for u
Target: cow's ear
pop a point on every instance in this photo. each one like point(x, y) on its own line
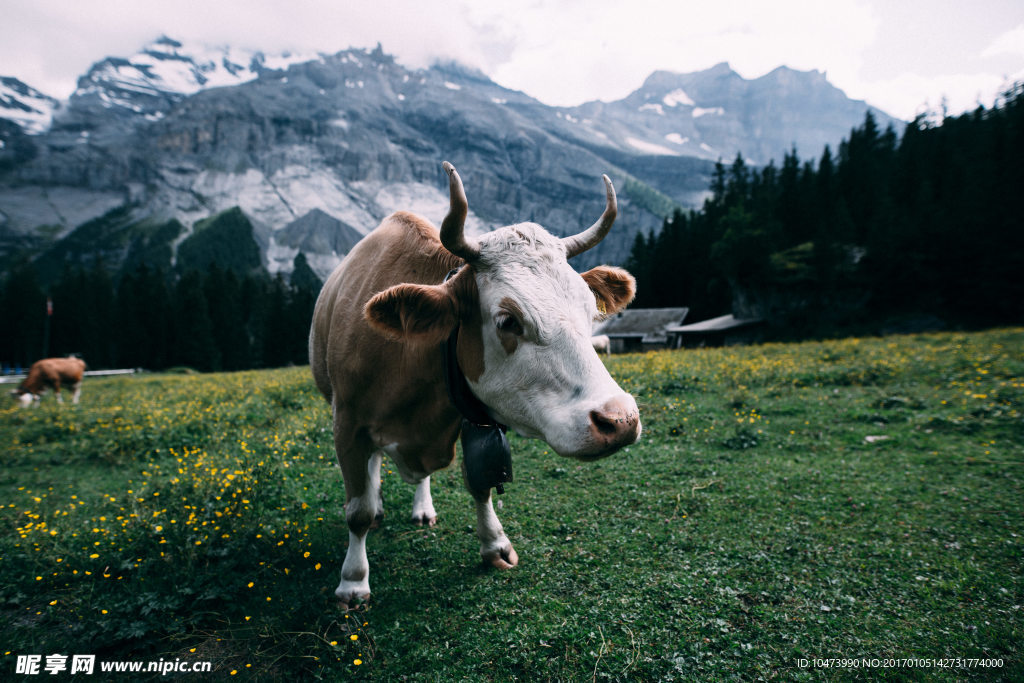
point(416, 313)
point(613, 288)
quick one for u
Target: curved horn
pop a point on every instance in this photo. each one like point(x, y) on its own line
point(577, 244)
point(453, 236)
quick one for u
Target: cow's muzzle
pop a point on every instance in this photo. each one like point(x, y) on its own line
point(612, 426)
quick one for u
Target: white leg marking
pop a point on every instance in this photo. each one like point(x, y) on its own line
point(355, 572)
point(495, 547)
point(423, 504)
point(78, 392)
point(373, 485)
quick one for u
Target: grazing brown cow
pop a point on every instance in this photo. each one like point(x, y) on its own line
point(51, 373)
point(517, 319)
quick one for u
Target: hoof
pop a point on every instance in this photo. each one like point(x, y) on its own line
point(352, 594)
point(354, 605)
point(504, 557)
point(353, 601)
point(424, 520)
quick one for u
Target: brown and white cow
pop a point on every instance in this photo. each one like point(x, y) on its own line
point(524, 318)
point(51, 373)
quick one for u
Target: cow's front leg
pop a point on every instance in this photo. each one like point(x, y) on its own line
point(495, 548)
point(362, 513)
point(494, 544)
point(76, 393)
point(423, 505)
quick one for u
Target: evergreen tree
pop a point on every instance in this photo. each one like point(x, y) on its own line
point(276, 332)
point(144, 325)
point(254, 311)
point(83, 315)
point(23, 308)
point(194, 343)
point(67, 327)
point(913, 225)
point(305, 288)
point(303, 277)
point(828, 228)
point(223, 294)
point(640, 264)
point(97, 340)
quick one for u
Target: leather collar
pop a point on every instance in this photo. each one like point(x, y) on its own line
point(471, 408)
point(486, 455)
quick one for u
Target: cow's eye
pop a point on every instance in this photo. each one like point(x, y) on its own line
point(508, 324)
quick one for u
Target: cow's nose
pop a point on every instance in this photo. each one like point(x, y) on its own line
point(616, 423)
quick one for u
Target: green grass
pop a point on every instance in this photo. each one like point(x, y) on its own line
point(849, 499)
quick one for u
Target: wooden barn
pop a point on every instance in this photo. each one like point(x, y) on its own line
point(641, 329)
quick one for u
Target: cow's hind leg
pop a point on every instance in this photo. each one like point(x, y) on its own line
point(495, 548)
point(361, 470)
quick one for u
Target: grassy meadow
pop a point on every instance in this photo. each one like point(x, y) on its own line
point(842, 499)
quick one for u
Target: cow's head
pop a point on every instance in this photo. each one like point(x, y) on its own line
point(24, 398)
point(525, 320)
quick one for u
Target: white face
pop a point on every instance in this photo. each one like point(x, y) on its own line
point(25, 399)
point(541, 374)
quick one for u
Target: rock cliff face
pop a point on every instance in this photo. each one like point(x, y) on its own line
point(716, 113)
point(314, 153)
point(22, 104)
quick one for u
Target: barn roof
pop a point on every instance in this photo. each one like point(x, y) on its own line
point(719, 324)
point(648, 324)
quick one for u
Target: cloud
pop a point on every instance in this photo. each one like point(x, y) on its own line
point(49, 44)
point(561, 51)
point(1009, 43)
point(910, 94)
point(566, 52)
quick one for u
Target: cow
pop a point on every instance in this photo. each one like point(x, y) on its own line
point(51, 373)
point(601, 344)
point(517, 318)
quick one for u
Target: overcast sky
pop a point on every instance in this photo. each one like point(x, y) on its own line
point(899, 55)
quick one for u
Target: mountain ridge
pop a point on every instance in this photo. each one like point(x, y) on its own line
point(182, 133)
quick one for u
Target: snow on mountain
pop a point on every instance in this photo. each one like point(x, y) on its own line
point(26, 106)
point(700, 111)
point(678, 97)
point(166, 71)
point(170, 66)
point(650, 147)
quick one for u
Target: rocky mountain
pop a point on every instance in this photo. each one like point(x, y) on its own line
point(22, 104)
point(312, 151)
point(148, 84)
point(716, 113)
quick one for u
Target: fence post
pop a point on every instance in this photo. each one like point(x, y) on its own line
point(46, 328)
